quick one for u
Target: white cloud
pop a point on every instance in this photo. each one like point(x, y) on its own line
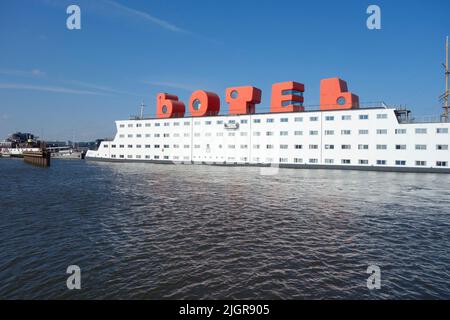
point(102, 88)
point(174, 85)
point(21, 86)
point(146, 16)
point(22, 73)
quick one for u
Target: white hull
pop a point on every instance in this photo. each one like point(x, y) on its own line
point(364, 139)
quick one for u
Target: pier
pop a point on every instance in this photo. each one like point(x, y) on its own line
point(37, 158)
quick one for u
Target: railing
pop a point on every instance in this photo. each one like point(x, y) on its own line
point(424, 119)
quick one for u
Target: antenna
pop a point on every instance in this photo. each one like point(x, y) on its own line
point(142, 109)
point(444, 97)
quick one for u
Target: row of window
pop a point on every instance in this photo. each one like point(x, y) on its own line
point(285, 133)
point(418, 163)
point(258, 120)
point(296, 146)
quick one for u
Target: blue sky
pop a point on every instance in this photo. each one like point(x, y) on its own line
point(63, 83)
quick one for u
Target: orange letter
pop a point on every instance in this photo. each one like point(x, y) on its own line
point(204, 103)
point(168, 106)
point(287, 97)
point(242, 100)
point(334, 95)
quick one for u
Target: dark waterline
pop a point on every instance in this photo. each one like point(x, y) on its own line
point(167, 231)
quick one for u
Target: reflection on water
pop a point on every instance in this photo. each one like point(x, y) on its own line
point(167, 231)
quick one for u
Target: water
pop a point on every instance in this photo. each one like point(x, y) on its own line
point(176, 232)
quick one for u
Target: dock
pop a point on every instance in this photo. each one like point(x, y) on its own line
point(38, 158)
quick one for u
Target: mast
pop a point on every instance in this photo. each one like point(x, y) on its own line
point(445, 96)
point(142, 109)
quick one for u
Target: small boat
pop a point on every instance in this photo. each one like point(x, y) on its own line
point(65, 153)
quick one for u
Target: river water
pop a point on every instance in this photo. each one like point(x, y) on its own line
point(148, 231)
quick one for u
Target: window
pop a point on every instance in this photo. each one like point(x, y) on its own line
point(400, 131)
point(130, 125)
point(329, 146)
point(329, 161)
point(298, 146)
point(166, 135)
point(298, 133)
point(269, 120)
point(208, 123)
point(147, 146)
point(363, 131)
point(113, 146)
point(400, 147)
point(363, 161)
point(313, 146)
point(130, 146)
point(441, 164)
point(345, 161)
point(381, 116)
point(147, 125)
point(138, 146)
point(244, 146)
point(269, 146)
point(122, 126)
point(400, 162)
point(441, 130)
point(313, 133)
point(166, 124)
point(231, 134)
point(381, 162)
point(421, 147)
point(284, 120)
point(346, 132)
point(381, 131)
point(157, 135)
point(363, 117)
point(186, 123)
point(421, 130)
point(196, 123)
point(244, 121)
point(329, 118)
point(313, 118)
point(219, 122)
point(121, 136)
point(381, 147)
point(156, 146)
point(256, 134)
point(313, 161)
point(442, 147)
point(298, 119)
point(346, 146)
point(329, 132)
point(139, 136)
point(256, 120)
point(148, 135)
point(283, 146)
point(363, 146)
point(269, 133)
point(122, 146)
point(283, 133)
point(219, 134)
point(157, 124)
point(421, 163)
point(130, 136)
point(298, 160)
point(347, 117)
point(176, 124)
point(256, 146)
point(244, 134)
point(197, 134)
